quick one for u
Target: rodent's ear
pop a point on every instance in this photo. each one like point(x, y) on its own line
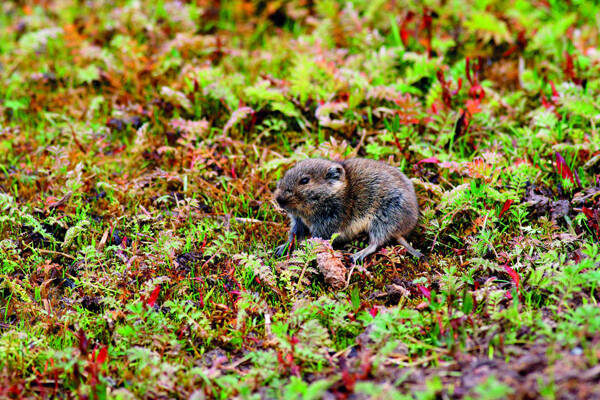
point(334, 172)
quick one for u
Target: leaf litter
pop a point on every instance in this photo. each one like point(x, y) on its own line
point(139, 146)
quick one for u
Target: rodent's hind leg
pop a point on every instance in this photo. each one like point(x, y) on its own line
point(374, 244)
point(378, 234)
point(408, 247)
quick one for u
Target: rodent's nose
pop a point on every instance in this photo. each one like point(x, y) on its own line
point(282, 201)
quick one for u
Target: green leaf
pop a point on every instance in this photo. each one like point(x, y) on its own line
point(88, 74)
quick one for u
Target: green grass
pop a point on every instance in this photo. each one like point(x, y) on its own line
point(139, 146)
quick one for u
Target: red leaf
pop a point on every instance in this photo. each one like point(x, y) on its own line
point(545, 101)
point(569, 66)
point(153, 296)
point(562, 168)
point(446, 96)
point(513, 274)
point(554, 91)
point(458, 86)
point(588, 213)
point(84, 342)
point(426, 292)
point(404, 28)
point(505, 207)
point(510, 51)
point(440, 75)
point(373, 311)
point(404, 35)
point(472, 106)
point(349, 380)
point(593, 217)
point(426, 25)
point(570, 71)
point(119, 149)
point(102, 355)
point(430, 160)
point(577, 179)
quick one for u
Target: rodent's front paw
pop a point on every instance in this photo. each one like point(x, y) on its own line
point(281, 249)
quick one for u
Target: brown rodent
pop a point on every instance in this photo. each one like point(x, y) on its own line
point(324, 197)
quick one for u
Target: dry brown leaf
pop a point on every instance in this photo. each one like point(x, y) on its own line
point(330, 265)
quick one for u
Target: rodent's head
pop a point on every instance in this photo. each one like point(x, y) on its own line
point(309, 184)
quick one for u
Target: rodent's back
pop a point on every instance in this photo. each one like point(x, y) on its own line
point(378, 192)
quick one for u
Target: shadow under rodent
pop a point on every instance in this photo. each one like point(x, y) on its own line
point(324, 197)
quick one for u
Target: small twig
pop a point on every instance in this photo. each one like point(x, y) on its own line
point(438, 350)
point(77, 142)
point(414, 363)
point(62, 201)
point(236, 363)
point(103, 240)
point(211, 257)
point(349, 276)
point(360, 142)
point(241, 220)
point(341, 352)
point(301, 276)
point(60, 253)
point(97, 286)
point(252, 221)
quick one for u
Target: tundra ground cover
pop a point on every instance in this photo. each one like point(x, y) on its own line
point(139, 145)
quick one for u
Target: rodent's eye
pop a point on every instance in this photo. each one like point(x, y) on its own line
point(304, 180)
